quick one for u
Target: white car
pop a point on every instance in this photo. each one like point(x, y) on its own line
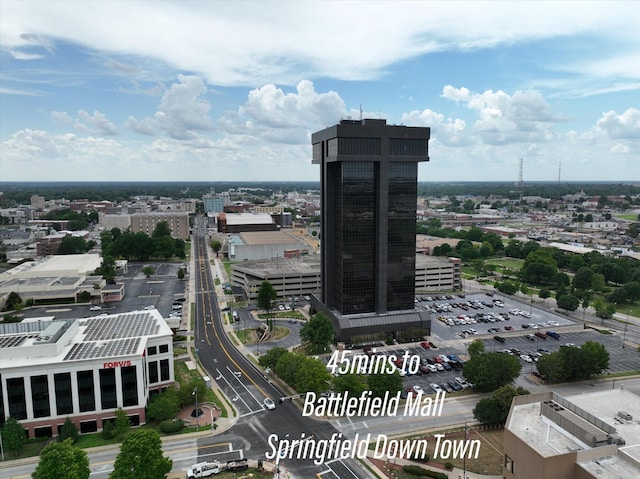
point(462, 382)
point(95, 308)
point(435, 387)
point(269, 404)
point(417, 389)
point(526, 358)
point(149, 307)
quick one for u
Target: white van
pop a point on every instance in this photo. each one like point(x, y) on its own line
point(203, 469)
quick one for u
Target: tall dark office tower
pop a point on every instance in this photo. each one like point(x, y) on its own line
point(369, 174)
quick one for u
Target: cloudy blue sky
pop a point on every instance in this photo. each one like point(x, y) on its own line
point(221, 90)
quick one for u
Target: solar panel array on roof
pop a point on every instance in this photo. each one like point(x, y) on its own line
point(127, 325)
point(12, 341)
point(92, 350)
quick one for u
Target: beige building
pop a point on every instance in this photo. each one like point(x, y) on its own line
point(438, 274)
point(592, 435)
point(147, 222)
point(62, 277)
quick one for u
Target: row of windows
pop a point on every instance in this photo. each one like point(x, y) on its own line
point(153, 350)
point(373, 147)
point(63, 391)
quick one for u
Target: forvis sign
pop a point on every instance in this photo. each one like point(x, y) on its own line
point(116, 364)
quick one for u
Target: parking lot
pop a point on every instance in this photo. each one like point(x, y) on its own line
point(159, 291)
point(464, 316)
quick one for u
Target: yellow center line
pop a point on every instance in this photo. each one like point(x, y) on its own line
point(206, 333)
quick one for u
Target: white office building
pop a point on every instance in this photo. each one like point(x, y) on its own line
point(83, 369)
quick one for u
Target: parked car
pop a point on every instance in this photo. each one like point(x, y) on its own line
point(500, 339)
point(541, 335)
point(435, 388)
point(464, 384)
point(553, 334)
point(95, 308)
point(454, 385)
point(530, 337)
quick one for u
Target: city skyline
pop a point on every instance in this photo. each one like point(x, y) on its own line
point(196, 91)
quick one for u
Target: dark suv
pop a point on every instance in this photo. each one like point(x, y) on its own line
point(499, 339)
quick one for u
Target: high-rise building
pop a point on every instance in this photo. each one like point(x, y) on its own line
point(369, 174)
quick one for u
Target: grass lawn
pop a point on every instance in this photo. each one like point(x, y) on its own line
point(630, 309)
point(510, 263)
point(629, 217)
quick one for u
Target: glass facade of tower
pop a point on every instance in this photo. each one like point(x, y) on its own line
point(369, 173)
point(401, 252)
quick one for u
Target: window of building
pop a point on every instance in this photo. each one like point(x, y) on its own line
point(108, 396)
point(163, 348)
point(129, 386)
point(86, 392)
point(45, 431)
point(40, 396)
point(88, 426)
point(408, 146)
point(153, 372)
point(164, 369)
point(64, 394)
point(17, 398)
point(152, 350)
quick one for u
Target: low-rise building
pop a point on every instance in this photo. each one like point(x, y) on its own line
point(592, 435)
point(83, 369)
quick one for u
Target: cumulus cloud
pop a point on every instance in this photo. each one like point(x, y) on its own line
point(95, 124)
point(449, 131)
point(272, 114)
point(504, 118)
point(183, 111)
point(624, 126)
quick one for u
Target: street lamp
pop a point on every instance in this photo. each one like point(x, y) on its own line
point(195, 392)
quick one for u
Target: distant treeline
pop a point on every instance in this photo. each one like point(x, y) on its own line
point(16, 193)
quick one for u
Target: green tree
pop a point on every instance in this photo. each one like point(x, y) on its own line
point(596, 356)
point(544, 293)
point(271, 357)
point(163, 406)
point(62, 456)
point(14, 301)
point(380, 383)
point(550, 366)
point(163, 247)
point(72, 245)
point(13, 436)
point(122, 423)
point(216, 246)
point(475, 348)
point(494, 410)
point(141, 457)
point(318, 332)
point(312, 375)
point(162, 230)
point(265, 298)
point(181, 273)
point(148, 271)
point(355, 384)
point(568, 302)
point(69, 431)
point(489, 371)
point(582, 278)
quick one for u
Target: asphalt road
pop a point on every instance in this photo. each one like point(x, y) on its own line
point(247, 388)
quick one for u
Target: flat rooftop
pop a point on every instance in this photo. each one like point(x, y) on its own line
point(309, 265)
point(45, 341)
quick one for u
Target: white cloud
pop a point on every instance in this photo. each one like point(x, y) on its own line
point(624, 126)
point(272, 114)
point(61, 118)
point(449, 132)
point(253, 43)
point(183, 111)
point(95, 124)
point(504, 118)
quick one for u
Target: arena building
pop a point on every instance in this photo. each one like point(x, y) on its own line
point(83, 369)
